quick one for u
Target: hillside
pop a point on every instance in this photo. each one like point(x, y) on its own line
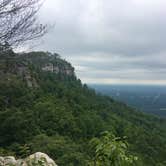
point(45, 107)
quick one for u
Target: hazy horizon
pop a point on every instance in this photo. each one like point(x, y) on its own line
point(146, 98)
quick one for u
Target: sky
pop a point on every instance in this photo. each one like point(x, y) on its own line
point(109, 41)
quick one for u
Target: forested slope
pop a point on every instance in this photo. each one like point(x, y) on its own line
point(44, 107)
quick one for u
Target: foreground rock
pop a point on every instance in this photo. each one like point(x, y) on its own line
point(37, 159)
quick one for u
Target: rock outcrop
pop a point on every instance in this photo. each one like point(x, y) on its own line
point(26, 65)
point(56, 68)
point(37, 159)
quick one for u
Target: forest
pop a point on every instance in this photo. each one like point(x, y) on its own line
point(50, 110)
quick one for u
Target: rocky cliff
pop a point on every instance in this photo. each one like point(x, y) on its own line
point(22, 65)
point(37, 159)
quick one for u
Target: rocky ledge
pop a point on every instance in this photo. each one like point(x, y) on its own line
point(37, 159)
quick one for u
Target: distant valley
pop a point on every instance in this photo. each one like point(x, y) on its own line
point(150, 99)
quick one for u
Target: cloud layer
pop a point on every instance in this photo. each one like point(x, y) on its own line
point(109, 41)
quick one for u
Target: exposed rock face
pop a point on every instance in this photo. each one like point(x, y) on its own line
point(66, 69)
point(48, 67)
point(26, 66)
point(7, 161)
point(37, 159)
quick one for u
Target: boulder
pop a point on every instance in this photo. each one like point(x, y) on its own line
point(36, 159)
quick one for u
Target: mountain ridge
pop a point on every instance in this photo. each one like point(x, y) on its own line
point(63, 114)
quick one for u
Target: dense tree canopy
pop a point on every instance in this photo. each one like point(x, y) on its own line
point(60, 116)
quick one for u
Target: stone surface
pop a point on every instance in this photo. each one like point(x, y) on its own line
point(36, 159)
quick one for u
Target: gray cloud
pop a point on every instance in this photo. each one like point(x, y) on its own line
point(120, 40)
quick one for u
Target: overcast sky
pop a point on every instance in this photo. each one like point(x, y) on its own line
point(109, 41)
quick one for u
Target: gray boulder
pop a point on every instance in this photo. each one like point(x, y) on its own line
point(36, 159)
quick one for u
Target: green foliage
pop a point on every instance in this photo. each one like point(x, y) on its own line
point(62, 149)
point(60, 116)
point(20, 150)
point(6, 152)
point(111, 150)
